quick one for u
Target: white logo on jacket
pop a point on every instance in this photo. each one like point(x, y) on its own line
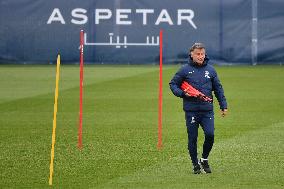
point(207, 74)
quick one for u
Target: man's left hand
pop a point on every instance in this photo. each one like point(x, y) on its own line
point(224, 112)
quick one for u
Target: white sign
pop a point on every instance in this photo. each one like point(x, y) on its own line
point(115, 41)
point(122, 16)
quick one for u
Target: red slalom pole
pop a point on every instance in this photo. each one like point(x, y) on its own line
point(159, 145)
point(80, 128)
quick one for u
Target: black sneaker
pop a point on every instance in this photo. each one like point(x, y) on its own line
point(196, 169)
point(205, 166)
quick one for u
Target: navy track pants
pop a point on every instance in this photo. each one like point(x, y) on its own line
point(206, 120)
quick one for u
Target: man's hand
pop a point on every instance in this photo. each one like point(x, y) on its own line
point(187, 95)
point(190, 91)
point(224, 112)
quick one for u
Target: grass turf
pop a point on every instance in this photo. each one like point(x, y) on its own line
point(120, 129)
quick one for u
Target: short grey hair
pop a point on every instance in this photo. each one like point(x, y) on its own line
point(196, 46)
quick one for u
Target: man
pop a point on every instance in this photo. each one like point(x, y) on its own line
point(203, 77)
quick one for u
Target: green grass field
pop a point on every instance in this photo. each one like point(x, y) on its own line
point(120, 129)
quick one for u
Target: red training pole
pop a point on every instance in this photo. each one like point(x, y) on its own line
point(159, 145)
point(80, 128)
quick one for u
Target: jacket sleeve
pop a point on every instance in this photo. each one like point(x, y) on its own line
point(175, 83)
point(219, 92)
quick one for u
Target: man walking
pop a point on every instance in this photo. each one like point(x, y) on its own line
point(203, 77)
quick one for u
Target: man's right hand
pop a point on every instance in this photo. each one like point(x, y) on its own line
point(187, 95)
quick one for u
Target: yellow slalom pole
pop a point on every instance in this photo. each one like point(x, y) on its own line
point(54, 121)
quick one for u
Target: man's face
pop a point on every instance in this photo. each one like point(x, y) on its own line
point(198, 56)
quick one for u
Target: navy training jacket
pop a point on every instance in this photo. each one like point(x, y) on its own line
point(205, 79)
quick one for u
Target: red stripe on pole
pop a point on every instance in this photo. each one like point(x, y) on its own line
point(80, 128)
point(159, 145)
